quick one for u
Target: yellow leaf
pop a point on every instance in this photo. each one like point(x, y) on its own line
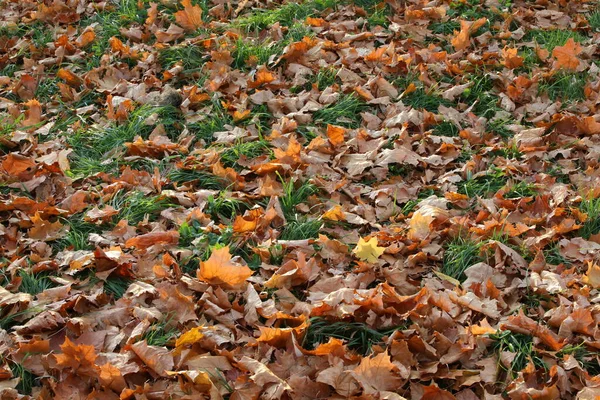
point(421, 220)
point(592, 277)
point(335, 214)
point(368, 250)
point(190, 337)
point(219, 270)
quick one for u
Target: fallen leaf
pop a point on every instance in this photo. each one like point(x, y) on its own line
point(190, 18)
point(368, 251)
point(220, 270)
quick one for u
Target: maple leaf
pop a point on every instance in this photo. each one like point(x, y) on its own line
point(220, 270)
point(461, 40)
point(566, 56)
point(80, 358)
point(368, 251)
point(376, 374)
point(190, 18)
point(510, 58)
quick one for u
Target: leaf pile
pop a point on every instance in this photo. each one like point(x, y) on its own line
point(299, 200)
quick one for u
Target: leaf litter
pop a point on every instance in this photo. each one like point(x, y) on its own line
point(317, 199)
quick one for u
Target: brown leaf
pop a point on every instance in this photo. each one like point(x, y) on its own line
point(190, 18)
point(153, 238)
point(566, 56)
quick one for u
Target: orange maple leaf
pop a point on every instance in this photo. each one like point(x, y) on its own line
point(219, 270)
point(461, 39)
point(80, 358)
point(511, 59)
point(566, 56)
point(190, 18)
point(335, 134)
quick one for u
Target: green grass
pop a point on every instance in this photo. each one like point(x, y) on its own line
point(592, 225)
point(444, 27)
point(410, 205)
point(521, 189)
point(522, 346)
point(421, 99)
point(116, 286)
point(77, 235)
point(200, 178)
point(135, 206)
point(286, 14)
point(553, 256)
point(248, 52)
point(223, 208)
point(34, 283)
point(483, 185)
point(231, 155)
point(549, 39)
point(356, 335)
point(565, 86)
point(344, 112)
point(161, 332)
point(27, 380)
point(594, 21)
point(294, 194)
point(92, 148)
point(588, 360)
point(301, 228)
point(191, 57)
point(445, 129)
point(460, 254)
point(216, 120)
point(481, 95)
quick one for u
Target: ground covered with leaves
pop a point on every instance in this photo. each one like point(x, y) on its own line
point(299, 200)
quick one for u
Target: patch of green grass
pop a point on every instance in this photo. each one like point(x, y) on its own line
point(200, 178)
point(34, 283)
point(46, 90)
point(410, 205)
point(521, 189)
point(216, 121)
point(483, 185)
point(249, 52)
point(554, 257)
point(27, 380)
point(519, 344)
point(588, 360)
point(8, 125)
point(92, 148)
point(499, 126)
point(592, 225)
point(191, 57)
point(135, 207)
point(445, 128)
point(292, 196)
point(459, 255)
point(549, 39)
point(344, 112)
point(594, 21)
point(421, 99)
point(301, 228)
point(444, 27)
point(231, 155)
point(223, 207)
point(566, 86)
point(77, 235)
point(286, 14)
point(262, 119)
point(356, 335)
point(160, 333)
point(481, 95)
point(116, 286)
